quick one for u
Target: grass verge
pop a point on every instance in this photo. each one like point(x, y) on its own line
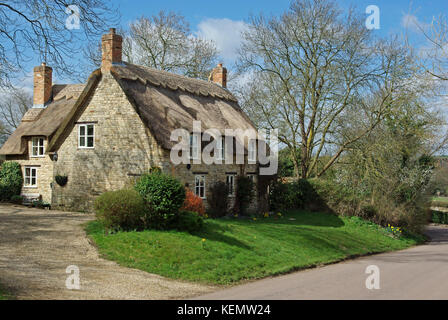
point(4, 295)
point(232, 250)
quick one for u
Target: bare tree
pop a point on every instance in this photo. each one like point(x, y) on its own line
point(39, 27)
point(434, 56)
point(164, 42)
point(13, 105)
point(310, 68)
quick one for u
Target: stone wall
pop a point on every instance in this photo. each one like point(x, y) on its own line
point(213, 174)
point(123, 149)
point(44, 167)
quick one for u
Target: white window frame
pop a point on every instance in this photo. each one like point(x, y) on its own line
point(86, 135)
point(198, 186)
point(221, 148)
point(232, 189)
point(252, 151)
point(38, 145)
point(194, 146)
point(30, 177)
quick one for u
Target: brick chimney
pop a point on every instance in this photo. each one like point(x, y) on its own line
point(42, 85)
point(111, 45)
point(219, 76)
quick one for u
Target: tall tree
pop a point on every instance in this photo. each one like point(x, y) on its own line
point(309, 68)
point(435, 54)
point(49, 29)
point(165, 42)
point(13, 105)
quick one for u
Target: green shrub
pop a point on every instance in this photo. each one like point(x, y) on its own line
point(187, 221)
point(294, 195)
point(244, 194)
point(17, 199)
point(218, 199)
point(164, 196)
point(11, 180)
point(439, 217)
point(40, 204)
point(121, 210)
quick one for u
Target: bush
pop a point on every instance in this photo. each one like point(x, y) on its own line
point(244, 194)
point(17, 199)
point(121, 210)
point(218, 199)
point(187, 221)
point(11, 180)
point(439, 217)
point(294, 195)
point(193, 203)
point(164, 196)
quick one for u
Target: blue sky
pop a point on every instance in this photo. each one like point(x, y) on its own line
point(222, 21)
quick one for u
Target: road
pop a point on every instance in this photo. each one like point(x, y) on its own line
point(37, 246)
point(417, 273)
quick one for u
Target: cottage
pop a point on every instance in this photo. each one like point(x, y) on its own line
point(103, 134)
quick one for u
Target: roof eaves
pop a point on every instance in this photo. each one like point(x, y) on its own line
point(62, 131)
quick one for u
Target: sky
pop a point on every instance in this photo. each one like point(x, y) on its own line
point(222, 21)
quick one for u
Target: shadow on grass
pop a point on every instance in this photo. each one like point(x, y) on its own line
point(215, 229)
point(215, 232)
point(297, 218)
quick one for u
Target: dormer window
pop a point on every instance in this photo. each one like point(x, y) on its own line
point(86, 136)
point(37, 147)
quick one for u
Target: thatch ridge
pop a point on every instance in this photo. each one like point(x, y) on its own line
point(171, 81)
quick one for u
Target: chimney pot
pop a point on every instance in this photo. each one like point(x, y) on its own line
point(42, 85)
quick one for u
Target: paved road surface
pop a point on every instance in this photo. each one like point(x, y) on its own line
point(36, 247)
point(417, 273)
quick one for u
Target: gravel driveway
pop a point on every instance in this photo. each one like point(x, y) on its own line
point(36, 247)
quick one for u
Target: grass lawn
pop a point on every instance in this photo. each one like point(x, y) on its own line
point(441, 199)
point(239, 249)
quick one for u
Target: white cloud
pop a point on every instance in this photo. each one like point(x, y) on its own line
point(225, 33)
point(411, 22)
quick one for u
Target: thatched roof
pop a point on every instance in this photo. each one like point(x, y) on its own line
point(166, 102)
point(43, 122)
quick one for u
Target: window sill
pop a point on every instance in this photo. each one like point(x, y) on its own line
point(84, 148)
point(30, 187)
point(37, 156)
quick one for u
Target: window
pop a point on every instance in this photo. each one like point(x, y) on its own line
point(252, 151)
point(38, 147)
point(194, 147)
point(30, 177)
point(199, 186)
point(231, 184)
point(86, 136)
point(220, 148)
point(251, 176)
